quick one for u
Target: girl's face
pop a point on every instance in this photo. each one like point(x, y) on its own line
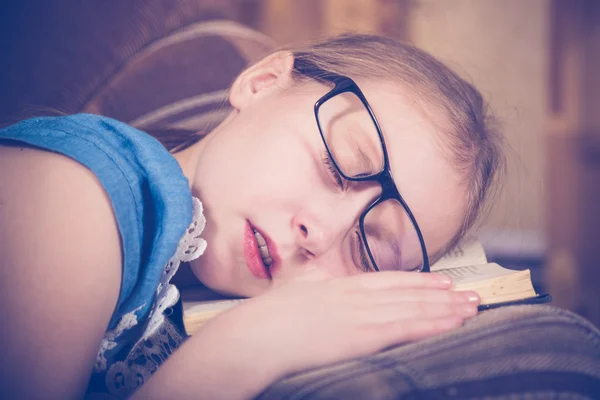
point(263, 168)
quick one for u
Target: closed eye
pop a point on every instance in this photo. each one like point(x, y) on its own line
point(337, 178)
point(362, 261)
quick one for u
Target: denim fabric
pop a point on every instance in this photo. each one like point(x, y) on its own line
point(149, 193)
point(521, 352)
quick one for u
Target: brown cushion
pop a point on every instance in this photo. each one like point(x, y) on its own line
point(530, 351)
point(181, 80)
point(130, 60)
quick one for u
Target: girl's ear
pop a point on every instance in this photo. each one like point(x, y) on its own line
point(270, 74)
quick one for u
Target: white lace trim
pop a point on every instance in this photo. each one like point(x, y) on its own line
point(123, 378)
point(191, 246)
point(159, 337)
point(127, 321)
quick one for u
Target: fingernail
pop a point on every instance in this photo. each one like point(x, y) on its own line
point(473, 298)
point(446, 280)
point(468, 310)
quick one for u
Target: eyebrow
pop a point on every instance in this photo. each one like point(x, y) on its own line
point(365, 161)
point(393, 244)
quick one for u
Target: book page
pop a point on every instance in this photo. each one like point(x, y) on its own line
point(468, 252)
point(475, 273)
point(197, 313)
point(196, 307)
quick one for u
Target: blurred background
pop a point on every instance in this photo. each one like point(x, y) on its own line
point(535, 61)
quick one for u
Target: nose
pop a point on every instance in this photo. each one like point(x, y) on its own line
point(314, 235)
point(319, 225)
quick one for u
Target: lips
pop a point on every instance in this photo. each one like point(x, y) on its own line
point(252, 254)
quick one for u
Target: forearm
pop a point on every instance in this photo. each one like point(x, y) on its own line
point(213, 364)
point(307, 324)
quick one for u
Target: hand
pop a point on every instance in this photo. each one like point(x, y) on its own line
point(309, 323)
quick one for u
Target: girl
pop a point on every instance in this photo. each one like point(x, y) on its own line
point(353, 155)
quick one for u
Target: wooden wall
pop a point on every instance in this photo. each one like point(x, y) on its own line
point(573, 129)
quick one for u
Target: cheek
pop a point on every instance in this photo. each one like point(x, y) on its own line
point(287, 171)
point(268, 167)
point(284, 157)
point(265, 155)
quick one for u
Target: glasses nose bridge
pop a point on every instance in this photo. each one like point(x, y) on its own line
point(384, 185)
point(385, 180)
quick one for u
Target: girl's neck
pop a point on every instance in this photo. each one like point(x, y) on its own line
point(187, 159)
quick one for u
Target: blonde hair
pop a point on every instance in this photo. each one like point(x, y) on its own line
point(451, 103)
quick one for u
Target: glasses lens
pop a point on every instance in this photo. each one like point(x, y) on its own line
point(392, 238)
point(351, 135)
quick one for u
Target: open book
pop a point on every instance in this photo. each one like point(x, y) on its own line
point(469, 269)
point(467, 265)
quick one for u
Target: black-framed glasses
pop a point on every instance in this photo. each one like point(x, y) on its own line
point(390, 236)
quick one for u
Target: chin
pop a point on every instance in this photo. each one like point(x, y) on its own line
point(226, 281)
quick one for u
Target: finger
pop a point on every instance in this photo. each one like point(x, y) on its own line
point(383, 297)
point(409, 312)
point(402, 279)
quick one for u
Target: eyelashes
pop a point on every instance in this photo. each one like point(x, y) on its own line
point(339, 181)
point(365, 265)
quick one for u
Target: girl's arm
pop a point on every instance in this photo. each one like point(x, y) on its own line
point(306, 324)
point(60, 273)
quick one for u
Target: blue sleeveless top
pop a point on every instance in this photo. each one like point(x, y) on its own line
point(153, 206)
